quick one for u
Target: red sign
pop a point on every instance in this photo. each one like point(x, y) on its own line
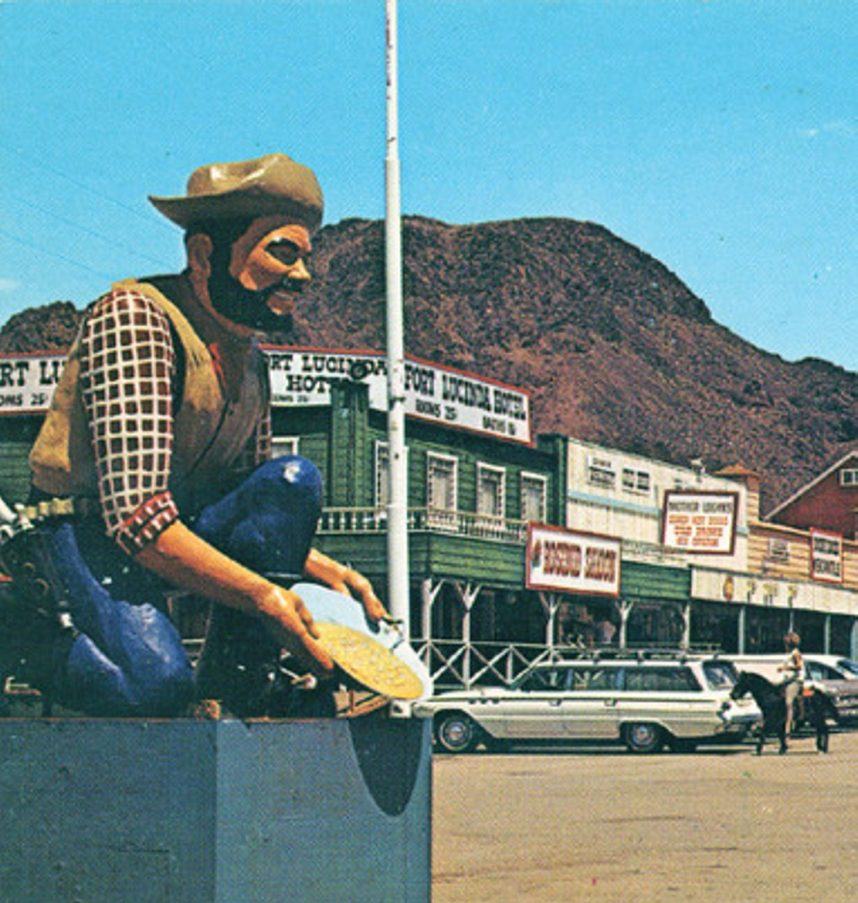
point(564, 561)
point(826, 556)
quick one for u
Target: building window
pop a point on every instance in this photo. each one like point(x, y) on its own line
point(284, 445)
point(600, 472)
point(382, 475)
point(849, 476)
point(490, 490)
point(534, 494)
point(637, 481)
point(441, 490)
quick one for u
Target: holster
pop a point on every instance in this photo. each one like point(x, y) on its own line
point(26, 556)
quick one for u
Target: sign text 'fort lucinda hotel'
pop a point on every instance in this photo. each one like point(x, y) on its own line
point(303, 376)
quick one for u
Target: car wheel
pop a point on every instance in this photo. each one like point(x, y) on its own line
point(644, 738)
point(456, 733)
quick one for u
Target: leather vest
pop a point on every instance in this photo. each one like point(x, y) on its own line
point(211, 427)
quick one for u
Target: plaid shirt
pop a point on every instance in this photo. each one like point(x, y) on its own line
point(129, 378)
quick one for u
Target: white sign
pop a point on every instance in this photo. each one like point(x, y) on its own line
point(439, 394)
point(27, 382)
point(302, 376)
point(775, 592)
point(564, 561)
point(700, 522)
point(826, 556)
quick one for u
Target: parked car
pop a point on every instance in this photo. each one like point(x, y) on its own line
point(835, 676)
point(645, 702)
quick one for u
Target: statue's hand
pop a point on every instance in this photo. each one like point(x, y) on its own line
point(345, 580)
point(355, 584)
point(291, 624)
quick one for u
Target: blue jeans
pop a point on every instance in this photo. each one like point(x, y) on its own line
point(128, 658)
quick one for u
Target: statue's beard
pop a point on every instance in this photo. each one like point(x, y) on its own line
point(266, 311)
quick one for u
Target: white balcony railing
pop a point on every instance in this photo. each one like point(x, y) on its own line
point(459, 663)
point(441, 520)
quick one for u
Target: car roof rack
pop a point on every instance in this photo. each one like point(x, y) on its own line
point(645, 654)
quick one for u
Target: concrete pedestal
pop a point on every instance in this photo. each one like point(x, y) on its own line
point(103, 811)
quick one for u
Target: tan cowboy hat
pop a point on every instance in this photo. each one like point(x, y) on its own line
point(273, 184)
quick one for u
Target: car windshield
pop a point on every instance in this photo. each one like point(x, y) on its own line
point(849, 666)
point(720, 675)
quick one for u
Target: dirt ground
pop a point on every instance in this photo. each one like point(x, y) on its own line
point(576, 825)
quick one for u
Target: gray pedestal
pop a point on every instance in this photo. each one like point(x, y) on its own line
point(135, 810)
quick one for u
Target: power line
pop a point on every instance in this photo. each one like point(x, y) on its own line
point(18, 240)
point(149, 219)
point(85, 229)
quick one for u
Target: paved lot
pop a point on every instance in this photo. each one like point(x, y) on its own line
point(580, 825)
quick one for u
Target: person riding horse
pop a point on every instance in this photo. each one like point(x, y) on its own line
point(771, 700)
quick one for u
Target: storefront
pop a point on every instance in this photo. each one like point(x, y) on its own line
point(756, 611)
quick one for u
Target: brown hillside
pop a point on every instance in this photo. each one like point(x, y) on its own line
point(614, 347)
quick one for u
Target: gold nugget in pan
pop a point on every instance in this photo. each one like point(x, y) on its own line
point(368, 662)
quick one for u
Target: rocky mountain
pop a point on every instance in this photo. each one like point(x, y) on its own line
point(613, 346)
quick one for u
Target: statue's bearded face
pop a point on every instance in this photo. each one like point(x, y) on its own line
point(254, 278)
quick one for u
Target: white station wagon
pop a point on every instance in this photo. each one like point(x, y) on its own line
point(643, 702)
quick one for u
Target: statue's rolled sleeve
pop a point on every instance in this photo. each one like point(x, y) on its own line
point(127, 370)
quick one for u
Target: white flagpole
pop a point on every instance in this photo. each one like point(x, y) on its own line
point(397, 508)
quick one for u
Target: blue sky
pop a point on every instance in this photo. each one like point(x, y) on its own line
point(719, 137)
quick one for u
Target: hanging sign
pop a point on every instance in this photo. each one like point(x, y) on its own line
point(439, 394)
point(27, 382)
point(826, 556)
point(302, 376)
point(700, 522)
point(564, 561)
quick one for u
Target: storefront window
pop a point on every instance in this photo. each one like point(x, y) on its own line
point(765, 629)
point(655, 624)
point(715, 626)
point(810, 626)
point(841, 635)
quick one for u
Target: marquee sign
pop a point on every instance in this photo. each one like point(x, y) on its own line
point(702, 523)
point(565, 561)
point(724, 586)
point(302, 376)
point(433, 392)
point(826, 556)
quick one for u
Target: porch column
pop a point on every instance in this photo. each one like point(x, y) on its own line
point(741, 642)
point(826, 635)
point(853, 642)
point(624, 609)
point(467, 596)
point(550, 603)
point(685, 640)
point(428, 595)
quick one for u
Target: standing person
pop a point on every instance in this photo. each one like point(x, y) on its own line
point(793, 670)
point(605, 631)
point(161, 411)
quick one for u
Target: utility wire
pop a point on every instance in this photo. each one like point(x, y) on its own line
point(86, 229)
point(32, 247)
point(149, 219)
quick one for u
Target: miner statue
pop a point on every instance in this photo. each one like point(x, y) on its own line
point(152, 477)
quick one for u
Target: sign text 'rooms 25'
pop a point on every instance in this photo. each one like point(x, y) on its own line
point(27, 382)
